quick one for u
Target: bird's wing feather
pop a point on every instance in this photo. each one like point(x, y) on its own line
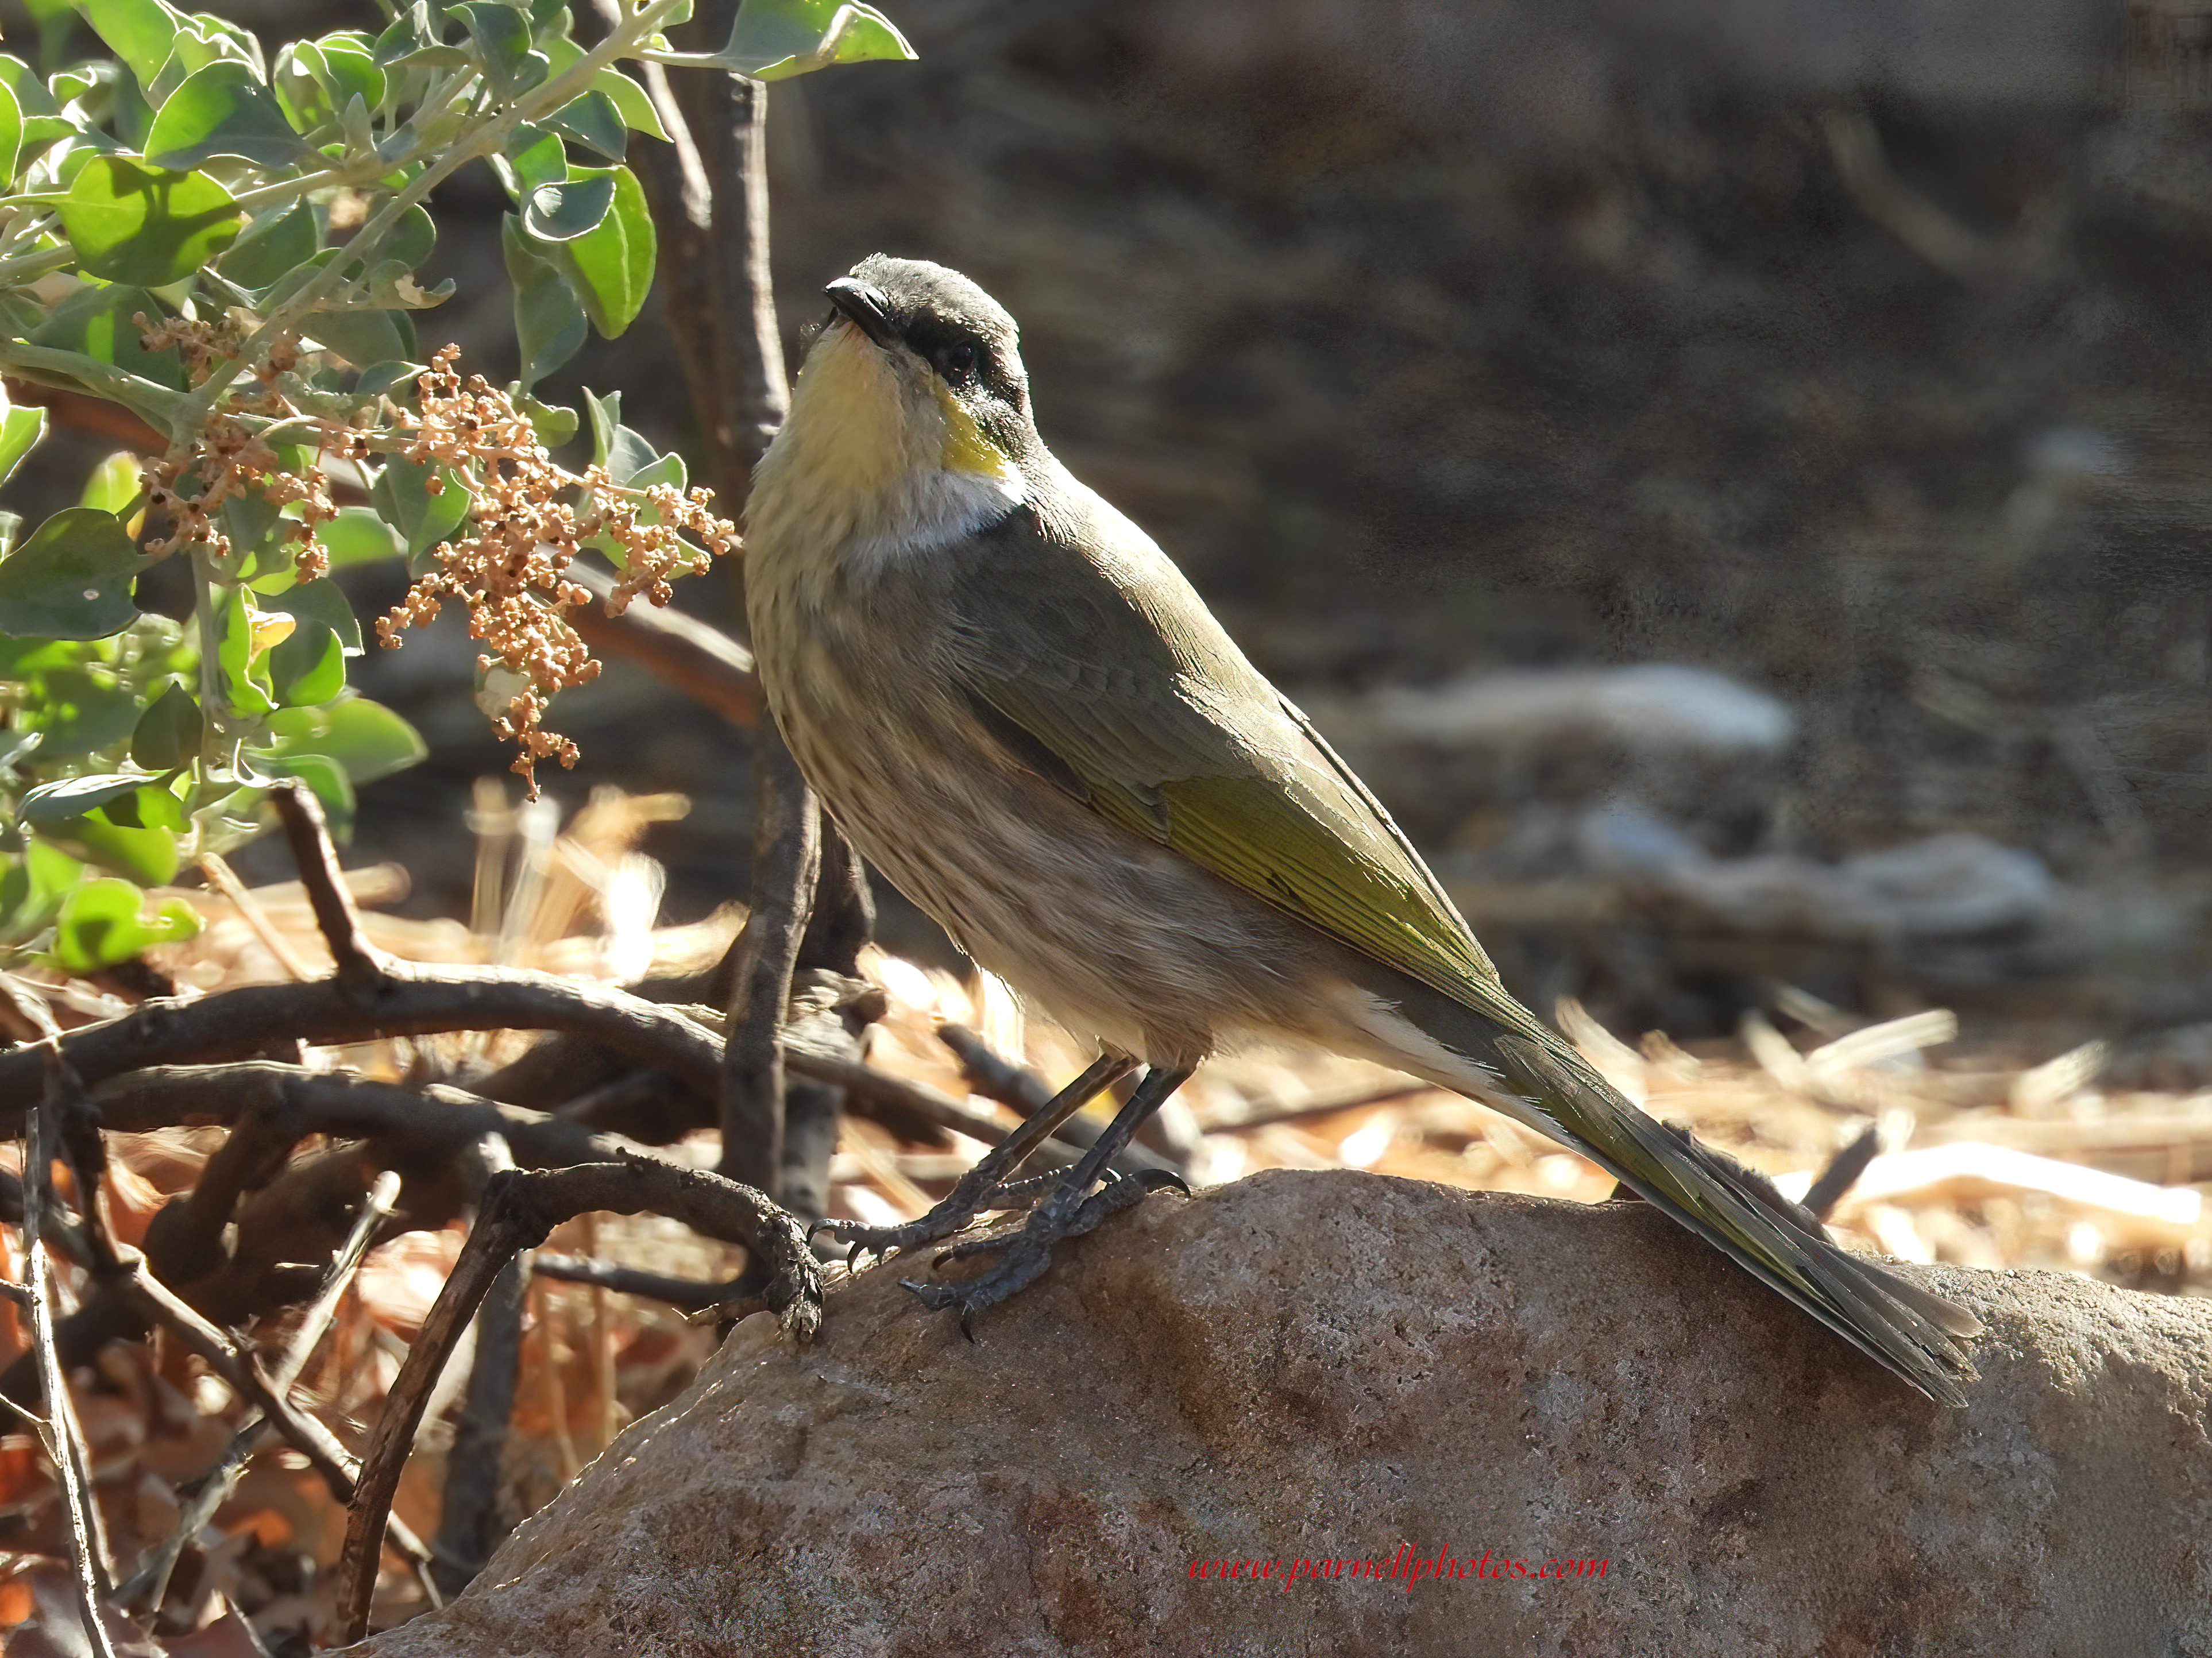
point(1181, 740)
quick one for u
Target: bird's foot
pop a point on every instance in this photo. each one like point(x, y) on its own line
point(1026, 1251)
point(971, 1198)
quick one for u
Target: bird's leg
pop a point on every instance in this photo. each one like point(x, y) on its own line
point(983, 1186)
point(1068, 1212)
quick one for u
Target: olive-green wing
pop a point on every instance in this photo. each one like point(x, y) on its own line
point(1128, 694)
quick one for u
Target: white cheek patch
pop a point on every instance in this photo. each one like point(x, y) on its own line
point(933, 509)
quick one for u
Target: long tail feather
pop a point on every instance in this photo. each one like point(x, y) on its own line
point(1900, 1325)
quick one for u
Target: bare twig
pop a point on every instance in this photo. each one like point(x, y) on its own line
point(1842, 1171)
point(359, 962)
point(150, 1582)
point(754, 975)
point(223, 879)
point(519, 1210)
point(418, 1130)
point(468, 1516)
point(993, 1077)
point(708, 191)
point(830, 1008)
point(65, 1440)
point(432, 1120)
point(689, 1294)
point(414, 1001)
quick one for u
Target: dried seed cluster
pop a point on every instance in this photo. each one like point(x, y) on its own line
point(511, 569)
point(227, 461)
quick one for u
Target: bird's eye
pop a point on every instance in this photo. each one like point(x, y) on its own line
point(956, 362)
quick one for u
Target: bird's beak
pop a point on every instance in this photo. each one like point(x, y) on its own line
point(866, 307)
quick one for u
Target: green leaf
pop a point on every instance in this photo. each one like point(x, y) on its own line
point(366, 739)
point(775, 39)
point(413, 237)
point(208, 38)
point(148, 806)
point(97, 322)
point(549, 321)
point(278, 242)
point(553, 424)
point(20, 428)
point(82, 710)
point(11, 133)
point(148, 856)
point(594, 122)
point(358, 536)
point(403, 498)
point(167, 734)
point(606, 421)
point(244, 675)
point(362, 337)
point(73, 797)
point(222, 110)
point(72, 579)
point(610, 265)
point(132, 224)
point(301, 80)
point(410, 29)
point(559, 212)
point(309, 667)
point(32, 887)
point(630, 103)
point(351, 71)
point(502, 34)
point(532, 156)
point(627, 455)
point(113, 485)
point(382, 377)
point(142, 33)
point(103, 922)
point(250, 521)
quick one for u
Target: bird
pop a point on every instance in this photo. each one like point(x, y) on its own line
point(1017, 708)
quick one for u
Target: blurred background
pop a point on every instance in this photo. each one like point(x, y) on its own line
point(1734, 474)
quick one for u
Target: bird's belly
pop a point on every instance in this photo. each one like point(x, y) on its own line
point(1117, 938)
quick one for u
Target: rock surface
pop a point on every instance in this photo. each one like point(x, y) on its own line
point(1338, 1365)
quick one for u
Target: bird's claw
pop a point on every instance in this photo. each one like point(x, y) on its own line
point(1026, 1250)
point(958, 1211)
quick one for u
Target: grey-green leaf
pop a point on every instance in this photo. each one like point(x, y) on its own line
point(71, 578)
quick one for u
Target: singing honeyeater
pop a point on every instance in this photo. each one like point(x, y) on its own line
point(1016, 708)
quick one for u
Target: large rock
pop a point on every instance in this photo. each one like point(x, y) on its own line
point(1316, 1367)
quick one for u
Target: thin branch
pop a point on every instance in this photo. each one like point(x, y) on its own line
point(468, 1516)
point(375, 1209)
point(709, 192)
point(359, 962)
point(224, 879)
point(519, 1210)
point(88, 1548)
point(434, 1120)
point(689, 1294)
point(755, 976)
point(150, 1582)
point(414, 1001)
point(420, 1130)
point(992, 1076)
point(242, 1373)
point(831, 1006)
